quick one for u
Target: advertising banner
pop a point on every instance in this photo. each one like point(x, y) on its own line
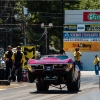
point(91, 16)
point(92, 28)
point(70, 27)
point(82, 28)
point(81, 36)
point(84, 46)
point(78, 28)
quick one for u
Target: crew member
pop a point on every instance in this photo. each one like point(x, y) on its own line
point(18, 59)
point(7, 57)
point(52, 49)
point(77, 56)
point(96, 64)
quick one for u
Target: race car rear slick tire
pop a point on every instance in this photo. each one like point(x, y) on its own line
point(31, 78)
point(42, 86)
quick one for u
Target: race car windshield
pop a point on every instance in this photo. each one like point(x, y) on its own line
point(62, 57)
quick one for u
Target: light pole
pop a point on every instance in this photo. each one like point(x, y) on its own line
point(62, 1)
point(23, 24)
point(24, 15)
point(46, 36)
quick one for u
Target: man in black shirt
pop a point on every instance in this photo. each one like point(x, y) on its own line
point(18, 59)
point(7, 56)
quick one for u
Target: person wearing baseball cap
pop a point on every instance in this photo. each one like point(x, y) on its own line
point(7, 57)
point(18, 60)
point(18, 47)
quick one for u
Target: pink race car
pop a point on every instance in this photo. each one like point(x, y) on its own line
point(52, 70)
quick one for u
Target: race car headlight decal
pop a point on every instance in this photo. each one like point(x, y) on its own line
point(68, 67)
point(30, 69)
point(43, 66)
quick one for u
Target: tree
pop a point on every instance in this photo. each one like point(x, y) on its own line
point(46, 12)
point(0, 20)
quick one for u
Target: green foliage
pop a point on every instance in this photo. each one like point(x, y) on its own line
point(72, 5)
point(1, 20)
point(46, 12)
point(43, 11)
point(55, 40)
point(89, 4)
point(18, 7)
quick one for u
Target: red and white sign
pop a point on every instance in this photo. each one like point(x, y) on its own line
point(91, 16)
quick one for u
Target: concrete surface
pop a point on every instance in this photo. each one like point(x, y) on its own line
point(12, 85)
point(16, 84)
point(88, 73)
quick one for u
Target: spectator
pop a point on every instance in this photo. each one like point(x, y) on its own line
point(18, 59)
point(7, 57)
point(96, 64)
point(52, 49)
point(77, 57)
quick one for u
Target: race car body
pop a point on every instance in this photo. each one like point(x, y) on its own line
point(54, 70)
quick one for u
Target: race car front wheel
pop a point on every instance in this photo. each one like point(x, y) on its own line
point(74, 86)
point(31, 78)
point(42, 86)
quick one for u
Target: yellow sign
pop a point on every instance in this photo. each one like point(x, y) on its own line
point(84, 46)
point(29, 52)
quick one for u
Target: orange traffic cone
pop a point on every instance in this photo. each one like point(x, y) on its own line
point(24, 76)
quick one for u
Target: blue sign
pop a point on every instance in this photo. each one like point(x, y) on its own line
point(81, 35)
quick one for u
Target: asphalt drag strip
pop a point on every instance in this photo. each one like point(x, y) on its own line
point(12, 85)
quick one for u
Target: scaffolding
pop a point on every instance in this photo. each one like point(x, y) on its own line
point(6, 14)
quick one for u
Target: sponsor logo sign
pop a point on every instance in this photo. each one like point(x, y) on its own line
point(70, 27)
point(81, 36)
point(77, 28)
point(91, 16)
point(29, 52)
point(80, 28)
point(92, 27)
point(84, 46)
